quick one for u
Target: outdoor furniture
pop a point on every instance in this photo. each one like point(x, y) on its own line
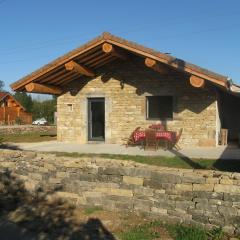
point(150, 139)
point(174, 143)
point(157, 127)
point(130, 141)
point(167, 136)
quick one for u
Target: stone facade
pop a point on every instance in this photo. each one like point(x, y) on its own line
point(201, 197)
point(125, 85)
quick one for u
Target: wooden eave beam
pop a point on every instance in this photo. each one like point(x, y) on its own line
point(110, 49)
point(151, 63)
point(168, 62)
point(42, 88)
point(20, 85)
point(73, 66)
point(197, 81)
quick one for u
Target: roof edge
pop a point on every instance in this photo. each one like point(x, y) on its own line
point(145, 51)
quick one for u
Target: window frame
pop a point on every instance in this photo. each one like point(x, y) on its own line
point(160, 118)
point(69, 107)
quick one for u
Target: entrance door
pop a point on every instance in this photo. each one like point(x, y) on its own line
point(96, 119)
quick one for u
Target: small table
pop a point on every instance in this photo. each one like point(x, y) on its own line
point(170, 136)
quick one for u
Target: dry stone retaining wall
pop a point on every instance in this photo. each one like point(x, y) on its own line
point(207, 198)
point(14, 129)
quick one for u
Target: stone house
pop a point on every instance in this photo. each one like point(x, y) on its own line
point(109, 86)
point(11, 111)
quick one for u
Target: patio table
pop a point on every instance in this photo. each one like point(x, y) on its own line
point(165, 135)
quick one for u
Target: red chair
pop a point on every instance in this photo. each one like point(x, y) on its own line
point(151, 140)
point(130, 141)
point(174, 143)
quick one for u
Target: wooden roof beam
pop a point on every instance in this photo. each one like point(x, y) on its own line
point(42, 88)
point(110, 49)
point(73, 66)
point(197, 81)
point(151, 63)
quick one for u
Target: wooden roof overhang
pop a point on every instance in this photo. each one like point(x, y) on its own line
point(106, 48)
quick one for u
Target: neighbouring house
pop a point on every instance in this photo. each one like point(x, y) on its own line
point(109, 86)
point(11, 111)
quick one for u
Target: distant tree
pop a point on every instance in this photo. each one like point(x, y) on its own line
point(25, 100)
point(1, 86)
point(44, 109)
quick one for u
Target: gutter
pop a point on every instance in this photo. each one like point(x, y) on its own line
point(233, 87)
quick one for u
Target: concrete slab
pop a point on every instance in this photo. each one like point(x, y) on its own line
point(220, 152)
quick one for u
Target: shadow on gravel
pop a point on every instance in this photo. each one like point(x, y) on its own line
point(38, 216)
point(9, 146)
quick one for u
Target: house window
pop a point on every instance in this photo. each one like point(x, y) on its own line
point(70, 107)
point(159, 107)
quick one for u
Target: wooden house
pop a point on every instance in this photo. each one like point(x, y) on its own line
point(11, 111)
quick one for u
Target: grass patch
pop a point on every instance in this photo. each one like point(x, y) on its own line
point(176, 162)
point(180, 232)
point(142, 232)
point(172, 162)
point(91, 210)
point(156, 229)
point(28, 137)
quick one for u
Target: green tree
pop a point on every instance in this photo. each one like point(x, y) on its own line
point(44, 109)
point(25, 100)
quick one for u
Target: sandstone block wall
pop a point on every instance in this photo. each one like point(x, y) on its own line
point(125, 85)
point(202, 197)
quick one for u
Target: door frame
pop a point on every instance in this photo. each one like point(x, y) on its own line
point(89, 121)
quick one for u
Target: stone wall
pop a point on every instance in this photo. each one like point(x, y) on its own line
point(16, 129)
point(125, 85)
point(207, 198)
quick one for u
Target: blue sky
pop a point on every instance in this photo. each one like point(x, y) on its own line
point(206, 32)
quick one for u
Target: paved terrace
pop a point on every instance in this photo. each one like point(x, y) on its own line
point(97, 148)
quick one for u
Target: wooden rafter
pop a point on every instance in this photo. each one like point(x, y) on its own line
point(62, 83)
point(106, 61)
point(48, 75)
point(93, 64)
point(96, 63)
point(64, 76)
point(52, 77)
point(151, 63)
point(73, 66)
point(110, 49)
point(99, 58)
point(90, 57)
point(42, 88)
point(68, 79)
point(112, 45)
